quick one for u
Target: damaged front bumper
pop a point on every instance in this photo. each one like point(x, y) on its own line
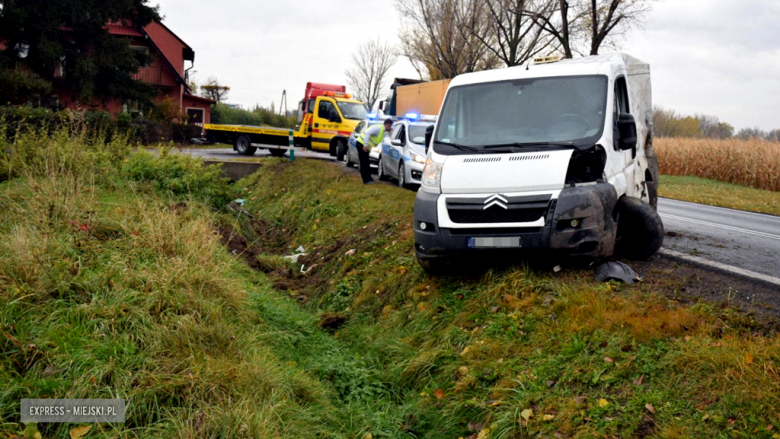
point(578, 223)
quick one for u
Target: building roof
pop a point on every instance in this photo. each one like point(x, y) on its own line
point(123, 29)
point(199, 98)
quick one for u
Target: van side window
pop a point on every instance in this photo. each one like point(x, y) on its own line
point(621, 98)
point(326, 109)
point(359, 128)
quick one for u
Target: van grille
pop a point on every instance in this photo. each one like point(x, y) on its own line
point(496, 215)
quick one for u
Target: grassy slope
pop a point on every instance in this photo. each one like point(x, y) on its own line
point(458, 354)
point(110, 289)
point(716, 193)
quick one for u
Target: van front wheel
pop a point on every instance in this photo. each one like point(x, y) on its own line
point(640, 232)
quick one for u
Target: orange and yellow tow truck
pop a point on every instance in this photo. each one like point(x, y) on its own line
point(326, 115)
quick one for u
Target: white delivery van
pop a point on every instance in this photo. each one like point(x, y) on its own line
point(544, 157)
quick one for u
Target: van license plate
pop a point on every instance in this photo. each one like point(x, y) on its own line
point(511, 242)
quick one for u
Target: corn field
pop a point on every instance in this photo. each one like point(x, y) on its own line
point(754, 163)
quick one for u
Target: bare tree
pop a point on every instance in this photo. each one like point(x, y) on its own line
point(372, 61)
point(752, 133)
point(612, 17)
point(711, 126)
point(591, 23)
point(558, 20)
point(212, 89)
point(514, 36)
point(443, 38)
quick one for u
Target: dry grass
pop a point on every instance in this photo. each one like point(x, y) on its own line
point(754, 163)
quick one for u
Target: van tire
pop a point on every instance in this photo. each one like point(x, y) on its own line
point(640, 232)
point(340, 150)
point(244, 146)
point(277, 152)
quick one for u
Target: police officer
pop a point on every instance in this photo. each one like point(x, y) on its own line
point(368, 140)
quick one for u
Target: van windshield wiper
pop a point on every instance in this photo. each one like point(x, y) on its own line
point(527, 145)
point(460, 147)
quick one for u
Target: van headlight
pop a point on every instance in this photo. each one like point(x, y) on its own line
point(417, 157)
point(431, 177)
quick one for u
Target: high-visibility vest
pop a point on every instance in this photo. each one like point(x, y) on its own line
point(375, 140)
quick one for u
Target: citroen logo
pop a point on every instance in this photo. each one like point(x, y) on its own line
point(495, 200)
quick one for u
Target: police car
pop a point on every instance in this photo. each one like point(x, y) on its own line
point(404, 151)
point(351, 155)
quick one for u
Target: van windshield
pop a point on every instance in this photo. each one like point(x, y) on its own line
point(535, 112)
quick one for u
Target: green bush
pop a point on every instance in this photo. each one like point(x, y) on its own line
point(179, 176)
point(19, 119)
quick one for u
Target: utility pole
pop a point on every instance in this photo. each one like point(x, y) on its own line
point(283, 104)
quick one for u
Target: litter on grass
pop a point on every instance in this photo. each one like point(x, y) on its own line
point(616, 271)
point(300, 251)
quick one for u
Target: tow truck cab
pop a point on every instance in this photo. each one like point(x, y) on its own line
point(328, 115)
point(541, 157)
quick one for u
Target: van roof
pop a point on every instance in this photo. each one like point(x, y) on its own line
point(607, 64)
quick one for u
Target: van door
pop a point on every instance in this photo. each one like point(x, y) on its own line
point(326, 123)
point(622, 106)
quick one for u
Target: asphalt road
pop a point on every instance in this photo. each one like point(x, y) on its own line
point(750, 241)
point(747, 241)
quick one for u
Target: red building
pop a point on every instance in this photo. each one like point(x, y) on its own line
point(167, 72)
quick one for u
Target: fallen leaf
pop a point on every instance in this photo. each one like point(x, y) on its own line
point(603, 402)
point(368, 436)
point(527, 414)
point(650, 408)
point(438, 393)
point(493, 402)
point(639, 381)
point(465, 351)
point(484, 434)
point(463, 370)
point(770, 427)
point(608, 360)
point(422, 306)
point(80, 432)
point(548, 417)
point(748, 358)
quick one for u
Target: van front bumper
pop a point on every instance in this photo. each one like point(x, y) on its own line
point(579, 223)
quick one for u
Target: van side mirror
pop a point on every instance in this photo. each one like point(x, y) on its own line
point(428, 136)
point(627, 130)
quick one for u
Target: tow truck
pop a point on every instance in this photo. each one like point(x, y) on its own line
point(327, 115)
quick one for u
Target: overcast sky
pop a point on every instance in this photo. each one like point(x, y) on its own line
point(719, 57)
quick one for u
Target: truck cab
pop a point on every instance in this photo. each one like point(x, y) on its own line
point(545, 157)
point(328, 115)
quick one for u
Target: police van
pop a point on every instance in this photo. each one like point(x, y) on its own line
point(549, 156)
